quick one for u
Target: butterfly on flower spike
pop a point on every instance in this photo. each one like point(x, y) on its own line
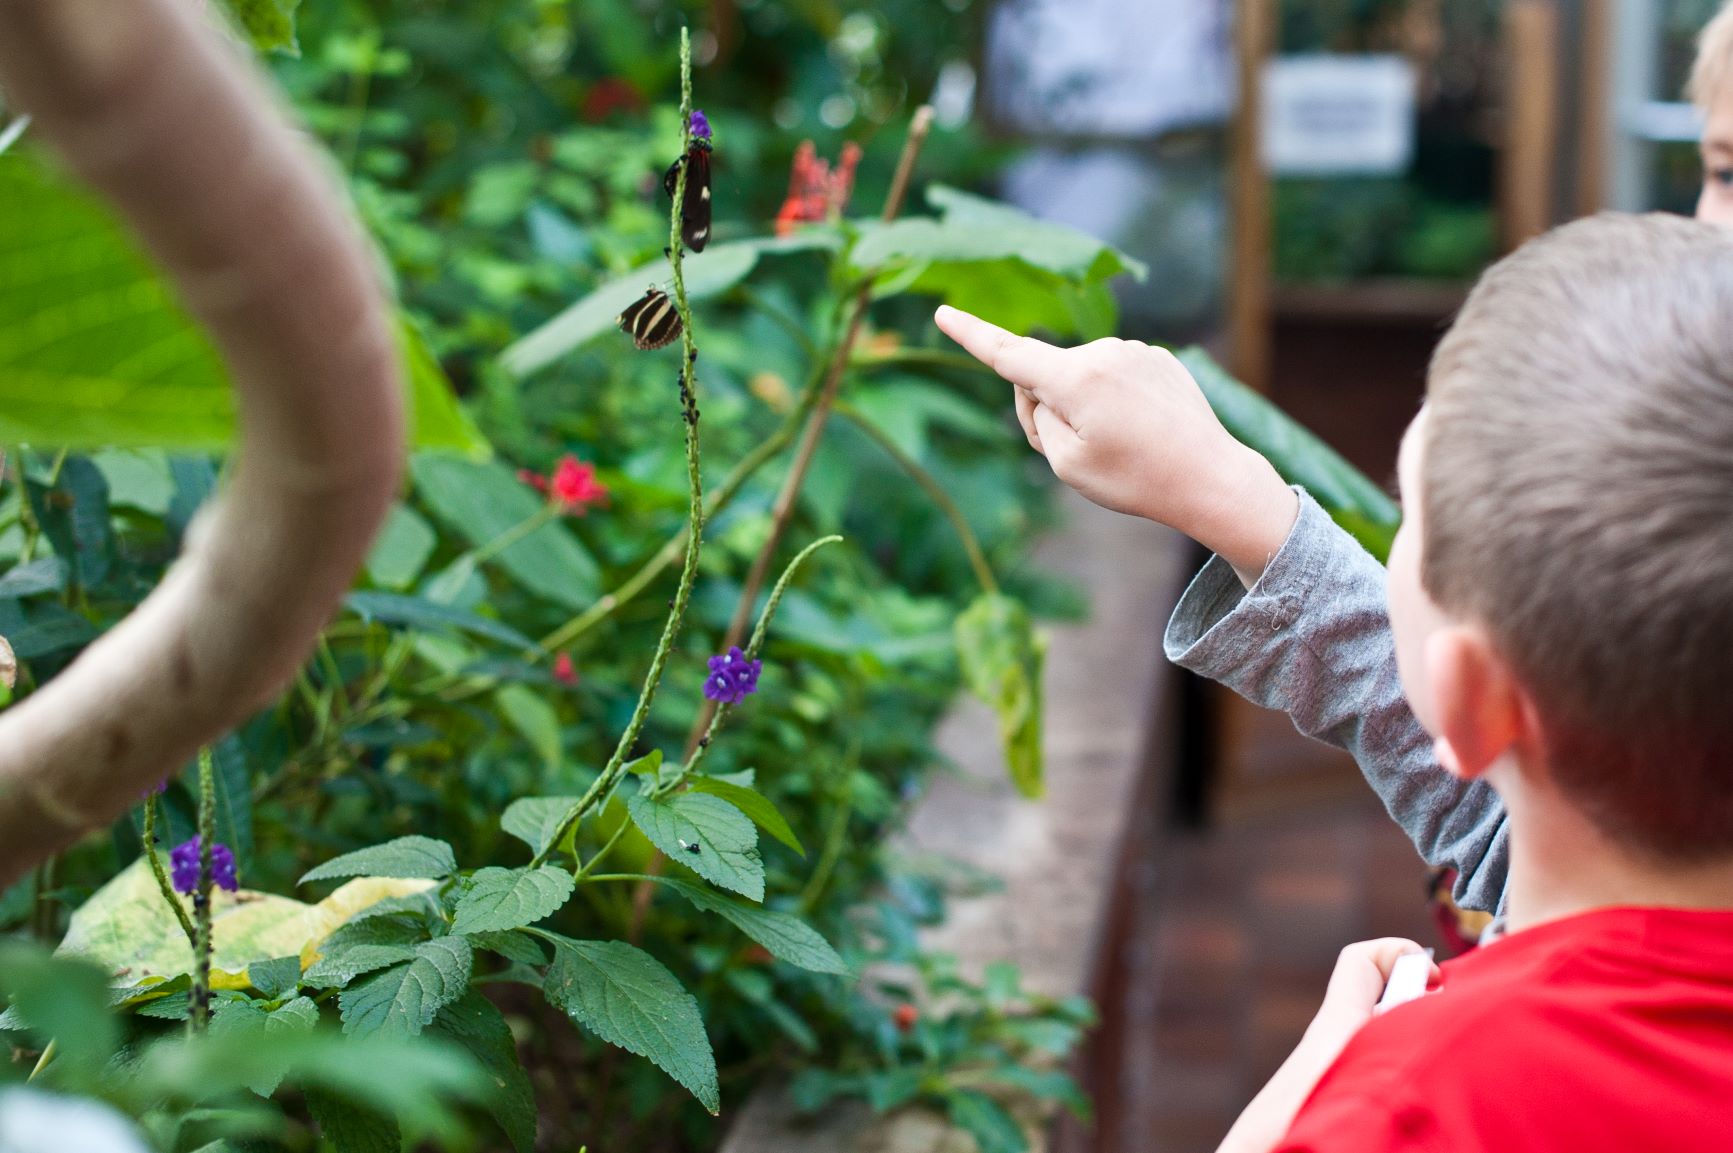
point(695, 209)
point(651, 321)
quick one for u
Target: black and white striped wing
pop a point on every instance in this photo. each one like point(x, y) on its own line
point(652, 321)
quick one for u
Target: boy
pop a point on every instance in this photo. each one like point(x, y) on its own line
point(1291, 614)
point(1561, 604)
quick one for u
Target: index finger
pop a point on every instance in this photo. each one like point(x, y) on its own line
point(1024, 361)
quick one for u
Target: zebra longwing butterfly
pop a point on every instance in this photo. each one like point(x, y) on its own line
point(652, 321)
point(695, 210)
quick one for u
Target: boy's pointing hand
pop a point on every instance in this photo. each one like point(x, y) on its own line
point(1125, 424)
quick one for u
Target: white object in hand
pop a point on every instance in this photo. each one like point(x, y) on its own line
point(1407, 982)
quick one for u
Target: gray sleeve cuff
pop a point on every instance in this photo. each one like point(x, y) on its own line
point(1219, 623)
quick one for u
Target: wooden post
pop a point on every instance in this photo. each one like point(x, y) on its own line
point(1595, 99)
point(1249, 288)
point(1531, 119)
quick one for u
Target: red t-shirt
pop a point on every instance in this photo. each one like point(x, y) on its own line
point(1608, 1031)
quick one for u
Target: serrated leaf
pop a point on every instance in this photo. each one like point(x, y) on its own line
point(350, 1128)
point(410, 857)
point(1001, 659)
point(420, 613)
point(274, 978)
point(473, 1022)
point(496, 899)
point(725, 838)
point(628, 998)
point(483, 501)
point(339, 968)
point(513, 946)
point(173, 1007)
point(402, 1001)
point(534, 820)
point(785, 936)
point(754, 804)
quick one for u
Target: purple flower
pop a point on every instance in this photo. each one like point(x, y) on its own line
point(732, 677)
point(184, 864)
point(700, 125)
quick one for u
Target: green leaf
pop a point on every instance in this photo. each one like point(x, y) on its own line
point(95, 350)
point(535, 820)
point(483, 501)
point(45, 574)
point(754, 804)
point(627, 998)
point(473, 1022)
point(785, 936)
point(250, 1019)
point(412, 856)
point(727, 842)
point(1347, 494)
point(402, 1001)
point(496, 899)
point(269, 24)
point(723, 266)
point(350, 1128)
point(1001, 658)
point(535, 719)
point(513, 946)
point(58, 999)
point(984, 1119)
point(649, 765)
point(339, 967)
point(137, 478)
point(419, 613)
point(401, 551)
point(274, 978)
point(73, 514)
point(233, 778)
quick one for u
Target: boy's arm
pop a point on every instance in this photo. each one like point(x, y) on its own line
point(1312, 637)
point(1126, 425)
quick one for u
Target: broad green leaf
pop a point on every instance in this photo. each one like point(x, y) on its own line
point(707, 835)
point(721, 268)
point(496, 899)
point(51, 629)
point(484, 501)
point(412, 856)
point(275, 977)
point(95, 350)
point(754, 804)
point(404, 1000)
point(627, 998)
point(43, 575)
point(419, 613)
point(126, 926)
point(269, 24)
point(473, 1022)
point(73, 513)
point(531, 715)
point(513, 946)
point(400, 553)
point(250, 1019)
point(534, 820)
point(1001, 658)
point(785, 936)
point(137, 478)
point(233, 778)
point(1351, 499)
point(351, 1128)
point(984, 1119)
point(339, 967)
point(58, 1000)
point(649, 765)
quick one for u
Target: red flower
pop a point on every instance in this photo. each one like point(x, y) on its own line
point(534, 479)
point(564, 671)
point(574, 486)
point(816, 191)
point(905, 1017)
point(609, 95)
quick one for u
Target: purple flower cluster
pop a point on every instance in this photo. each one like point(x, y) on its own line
point(732, 677)
point(700, 125)
point(184, 865)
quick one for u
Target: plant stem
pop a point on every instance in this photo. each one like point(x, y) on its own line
point(42, 915)
point(917, 472)
point(583, 874)
point(695, 484)
point(200, 996)
point(161, 875)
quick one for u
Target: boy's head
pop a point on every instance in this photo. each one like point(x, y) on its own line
point(1712, 91)
point(1563, 583)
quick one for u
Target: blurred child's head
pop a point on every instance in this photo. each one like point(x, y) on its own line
point(1712, 91)
point(1562, 588)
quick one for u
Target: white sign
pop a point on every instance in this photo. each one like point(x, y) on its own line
point(1338, 115)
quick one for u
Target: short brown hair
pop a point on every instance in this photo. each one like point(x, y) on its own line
point(1577, 498)
point(1714, 64)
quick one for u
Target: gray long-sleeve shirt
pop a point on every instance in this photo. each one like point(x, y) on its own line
point(1312, 638)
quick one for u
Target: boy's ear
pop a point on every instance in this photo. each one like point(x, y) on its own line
point(1479, 707)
